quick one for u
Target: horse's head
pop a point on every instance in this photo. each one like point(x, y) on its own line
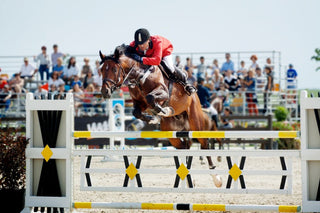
point(113, 71)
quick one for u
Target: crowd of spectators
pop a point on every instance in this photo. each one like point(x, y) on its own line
point(60, 75)
point(222, 81)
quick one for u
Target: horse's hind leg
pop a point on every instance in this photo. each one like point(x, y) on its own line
point(198, 122)
point(180, 143)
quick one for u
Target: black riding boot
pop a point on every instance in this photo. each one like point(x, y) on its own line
point(181, 78)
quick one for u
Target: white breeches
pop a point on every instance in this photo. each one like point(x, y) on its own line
point(169, 62)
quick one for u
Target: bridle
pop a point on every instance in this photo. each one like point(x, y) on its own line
point(121, 73)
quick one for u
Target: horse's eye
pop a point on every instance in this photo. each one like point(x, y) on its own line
point(114, 69)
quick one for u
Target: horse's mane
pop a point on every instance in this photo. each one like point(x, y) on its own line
point(120, 50)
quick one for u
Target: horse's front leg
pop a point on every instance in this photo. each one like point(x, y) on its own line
point(157, 96)
point(137, 113)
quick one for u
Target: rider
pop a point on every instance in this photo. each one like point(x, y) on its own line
point(156, 50)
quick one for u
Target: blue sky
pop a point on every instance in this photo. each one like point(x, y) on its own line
point(85, 26)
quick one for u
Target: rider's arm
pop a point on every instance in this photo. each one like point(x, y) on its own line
point(155, 59)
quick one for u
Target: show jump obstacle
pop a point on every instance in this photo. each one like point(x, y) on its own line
point(50, 154)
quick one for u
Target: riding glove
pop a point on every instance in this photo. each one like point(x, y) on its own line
point(135, 57)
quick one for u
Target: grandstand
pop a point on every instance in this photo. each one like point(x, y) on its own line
point(237, 102)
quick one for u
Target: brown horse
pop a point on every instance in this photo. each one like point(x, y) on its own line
point(148, 89)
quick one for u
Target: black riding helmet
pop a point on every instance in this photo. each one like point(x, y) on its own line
point(141, 36)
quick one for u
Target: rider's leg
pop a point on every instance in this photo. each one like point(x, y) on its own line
point(178, 75)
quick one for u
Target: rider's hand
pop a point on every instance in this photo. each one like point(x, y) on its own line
point(135, 57)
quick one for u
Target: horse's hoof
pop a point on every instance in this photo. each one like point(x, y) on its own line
point(154, 120)
point(217, 180)
point(161, 114)
point(219, 158)
point(212, 167)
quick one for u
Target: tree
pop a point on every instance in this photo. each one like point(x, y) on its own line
point(316, 57)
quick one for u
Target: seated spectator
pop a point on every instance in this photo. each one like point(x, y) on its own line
point(191, 79)
point(85, 68)
point(88, 99)
point(76, 80)
point(61, 91)
point(178, 63)
point(5, 96)
point(70, 71)
point(203, 93)
point(44, 61)
point(40, 93)
point(78, 96)
point(205, 98)
point(214, 66)
point(226, 122)
point(54, 79)
point(223, 94)
point(250, 83)
point(17, 83)
point(52, 91)
point(88, 79)
point(59, 68)
point(97, 81)
point(260, 79)
point(242, 86)
point(242, 70)
point(188, 64)
point(201, 68)
point(221, 98)
point(95, 70)
point(228, 65)
point(254, 60)
point(217, 79)
point(3, 82)
point(231, 82)
point(27, 70)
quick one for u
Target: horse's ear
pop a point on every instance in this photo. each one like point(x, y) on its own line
point(102, 57)
point(117, 52)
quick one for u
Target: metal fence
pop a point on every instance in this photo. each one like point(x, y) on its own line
point(12, 64)
point(280, 96)
point(96, 105)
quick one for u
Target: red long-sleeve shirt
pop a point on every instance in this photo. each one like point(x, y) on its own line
point(160, 48)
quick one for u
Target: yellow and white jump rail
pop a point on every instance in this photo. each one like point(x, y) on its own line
point(187, 134)
point(187, 206)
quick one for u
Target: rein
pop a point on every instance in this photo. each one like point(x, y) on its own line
point(117, 85)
